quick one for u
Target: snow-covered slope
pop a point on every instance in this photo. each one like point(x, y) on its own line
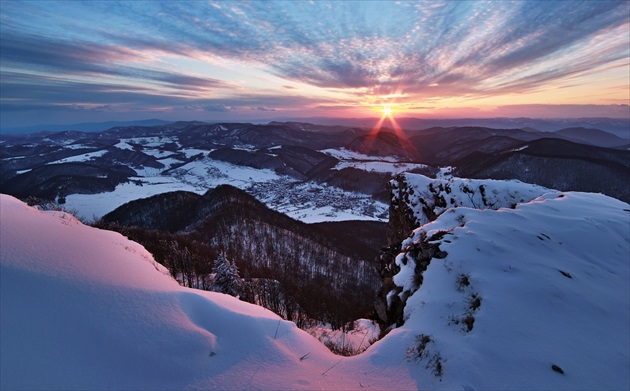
point(519, 296)
point(88, 309)
point(83, 308)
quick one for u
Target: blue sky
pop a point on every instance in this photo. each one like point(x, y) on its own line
point(65, 62)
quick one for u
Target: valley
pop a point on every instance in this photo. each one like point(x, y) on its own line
point(309, 172)
point(312, 216)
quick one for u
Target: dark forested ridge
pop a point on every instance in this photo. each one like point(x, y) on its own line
point(557, 164)
point(330, 275)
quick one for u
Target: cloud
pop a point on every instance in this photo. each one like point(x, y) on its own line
point(218, 108)
point(420, 108)
point(261, 108)
point(123, 53)
point(335, 107)
point(562, 111)
point(76, 58)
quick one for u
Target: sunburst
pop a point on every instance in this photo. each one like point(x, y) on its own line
point(386, 113)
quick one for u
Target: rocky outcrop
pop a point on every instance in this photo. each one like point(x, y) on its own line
point(417, 200)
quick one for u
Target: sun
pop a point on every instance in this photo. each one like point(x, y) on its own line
point(387, 110)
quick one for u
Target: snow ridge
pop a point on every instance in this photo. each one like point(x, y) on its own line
point(530, 297)
point(427, 198)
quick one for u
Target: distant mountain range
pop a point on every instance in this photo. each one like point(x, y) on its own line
point(81, 127)
point(293, 166)
point(617, 126)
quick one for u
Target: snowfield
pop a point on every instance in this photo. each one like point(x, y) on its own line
point(83, 308)
point(305, 201)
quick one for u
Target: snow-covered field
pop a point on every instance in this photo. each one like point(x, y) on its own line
point(83, 308)
point(313, 202)
point(309, 202)
point(84, 157)
point(360, 161)
point(91, 207)
point(344, 154)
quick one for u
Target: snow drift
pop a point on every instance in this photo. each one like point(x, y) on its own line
point(83, 308)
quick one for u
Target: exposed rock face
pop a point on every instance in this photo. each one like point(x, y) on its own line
point(417, 200)
point(402, 218)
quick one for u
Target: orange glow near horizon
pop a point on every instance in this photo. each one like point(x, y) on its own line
point(386, 114)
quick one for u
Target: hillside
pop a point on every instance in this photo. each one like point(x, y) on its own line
point(84, 308)
point(593, 136)
point(536, 256)
point(557, 164)
point(330, 275)
point(310, 172)
point(544, 288)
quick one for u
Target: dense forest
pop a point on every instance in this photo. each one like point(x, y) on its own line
point(302, 272)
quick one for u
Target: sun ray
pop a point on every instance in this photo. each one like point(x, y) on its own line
point(387, 113)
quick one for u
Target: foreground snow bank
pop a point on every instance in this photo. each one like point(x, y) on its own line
point(83, 308)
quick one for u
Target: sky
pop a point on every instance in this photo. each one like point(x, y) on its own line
point(69, 62)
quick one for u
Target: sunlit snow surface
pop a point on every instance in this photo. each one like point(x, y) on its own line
point(552, 278)
point(83, 308)
point(388, 164)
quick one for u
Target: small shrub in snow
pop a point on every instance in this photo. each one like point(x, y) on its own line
point(420, 351)
point(474, 302)
point(469, 321)
point(557, 369)
point(567, 275)
point(463, 281)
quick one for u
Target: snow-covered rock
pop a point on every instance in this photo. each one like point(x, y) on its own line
point(418, 199)
point(536, 296)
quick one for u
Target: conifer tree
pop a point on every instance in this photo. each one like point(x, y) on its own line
point(227, 279)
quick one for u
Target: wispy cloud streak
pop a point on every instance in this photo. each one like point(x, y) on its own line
point(366, 50)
